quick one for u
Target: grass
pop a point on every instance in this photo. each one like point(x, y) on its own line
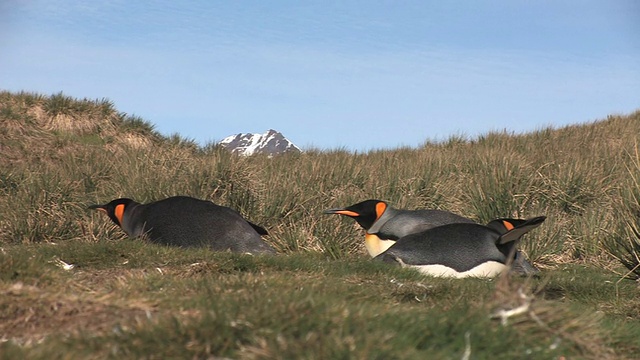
point(159, 302)
point(322, 297)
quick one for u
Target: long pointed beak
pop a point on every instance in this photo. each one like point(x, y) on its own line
point(98, 207)
point(536, 220)
point(341, 212)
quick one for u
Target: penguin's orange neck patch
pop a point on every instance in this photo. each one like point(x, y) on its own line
point(380, 208)
point(376, 246)
point(508, 225)
point(372, 244)
point(119, 212)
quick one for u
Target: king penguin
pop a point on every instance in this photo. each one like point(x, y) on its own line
point(187, 222)
point(384, 225)
point(460, 250)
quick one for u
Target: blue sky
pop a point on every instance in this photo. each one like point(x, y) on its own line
point(358, 75)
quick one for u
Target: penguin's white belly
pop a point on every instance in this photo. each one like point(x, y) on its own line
point(484, 270)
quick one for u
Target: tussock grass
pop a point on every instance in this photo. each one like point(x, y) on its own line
point(322, 297)
point(624, 244)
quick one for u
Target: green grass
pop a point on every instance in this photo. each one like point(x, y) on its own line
point(160, 302)
point(322, 297)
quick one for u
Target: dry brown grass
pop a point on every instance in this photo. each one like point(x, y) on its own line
point(31, 313)
point(518, 305)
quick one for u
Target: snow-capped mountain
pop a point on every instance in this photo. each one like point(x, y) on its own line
point(272, 143)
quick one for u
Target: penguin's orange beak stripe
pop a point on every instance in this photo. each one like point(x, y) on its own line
point(508, 225)
point(119, 212)
point(347, 213)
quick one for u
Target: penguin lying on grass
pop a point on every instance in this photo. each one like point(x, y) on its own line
point(460, 250)
point(384, 225)
point(187, 222)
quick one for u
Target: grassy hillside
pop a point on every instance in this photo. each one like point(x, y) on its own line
point(323, 298)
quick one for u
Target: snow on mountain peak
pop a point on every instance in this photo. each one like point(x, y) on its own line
point(272, 143)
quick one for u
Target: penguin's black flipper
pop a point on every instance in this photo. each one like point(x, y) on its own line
point(389, 259)
point(259, 229)
point(520, 229)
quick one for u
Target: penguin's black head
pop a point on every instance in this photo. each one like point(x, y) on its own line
point(502, 226)
point(365, 213)
point(114, 209)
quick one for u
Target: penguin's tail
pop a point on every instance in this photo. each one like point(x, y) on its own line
point(259, 229)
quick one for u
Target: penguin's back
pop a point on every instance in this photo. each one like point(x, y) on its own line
point(188, 222)
point(460, 247)
point(407, 222)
